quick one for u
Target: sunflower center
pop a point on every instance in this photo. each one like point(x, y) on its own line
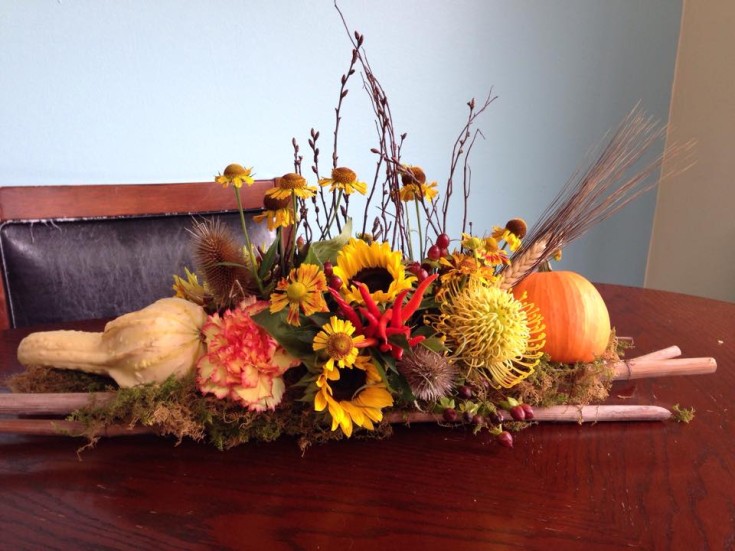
point(350, 381)
point(339, 345)
point(376, 279)
point(291, 181)
point(343, 175)
point(296, 291)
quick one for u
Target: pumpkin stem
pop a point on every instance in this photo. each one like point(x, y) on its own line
point(545, 266)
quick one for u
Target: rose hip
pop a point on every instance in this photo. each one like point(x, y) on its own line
point(518, 413)
point(335, 282)
point(442, 241)
point(433, 253)
point(506, 439)
point(450, 415)
point(528, 411)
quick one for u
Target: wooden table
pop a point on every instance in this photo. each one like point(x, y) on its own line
point(657, 485)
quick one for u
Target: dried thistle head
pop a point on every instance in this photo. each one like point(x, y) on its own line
point(221, 263)
point(430, 375)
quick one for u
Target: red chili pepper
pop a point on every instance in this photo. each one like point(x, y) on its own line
point(372, 322)
point(415, 301)
point(347, 310)
point(398, 308)
point(415, 340)
point(396, 352)
point(369, 302)
point(403, 330)
point(383, 325)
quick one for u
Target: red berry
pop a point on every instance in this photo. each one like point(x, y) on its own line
point(443, 252)
point(465, 392)
point(335, 282)
point(528, 411)
point(506, 439)
point(433, 253)
point(442, 241)
point(414, 268)
point(495, 418)
point(328, 269)
point(422, 275)
point(518, 413)
point(478, 420)
point(450, 415)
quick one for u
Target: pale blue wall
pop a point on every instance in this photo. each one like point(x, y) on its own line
point(99, 91)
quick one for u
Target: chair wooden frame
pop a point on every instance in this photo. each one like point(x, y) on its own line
point(26, 203)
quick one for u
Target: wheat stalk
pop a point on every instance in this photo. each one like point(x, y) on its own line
point(522, 265)
point(607, 184)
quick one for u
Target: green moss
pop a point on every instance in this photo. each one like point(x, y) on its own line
point(682, 415)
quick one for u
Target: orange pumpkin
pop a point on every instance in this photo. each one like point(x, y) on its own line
point(576, 318)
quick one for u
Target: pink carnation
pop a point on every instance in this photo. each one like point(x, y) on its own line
point(243, 362)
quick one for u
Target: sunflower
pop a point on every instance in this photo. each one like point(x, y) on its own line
point(278, 213)
point(291, 184)
point(344, 179)
point(337, 341)
point(490, 332)
point(375, 265)
point(236, 175)
point(302, 289)
point(353, 396)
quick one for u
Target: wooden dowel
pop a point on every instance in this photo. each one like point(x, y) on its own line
point(663, 354)
point(559, 414)
point(645, 368)
point(61, 403)
point(50, 427)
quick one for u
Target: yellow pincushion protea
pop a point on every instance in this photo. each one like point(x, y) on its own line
point(375, 265)
point(490, 332)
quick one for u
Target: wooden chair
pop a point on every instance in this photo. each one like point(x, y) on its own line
point(97, 251)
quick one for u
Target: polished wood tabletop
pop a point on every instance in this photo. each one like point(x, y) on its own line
point(642, 485)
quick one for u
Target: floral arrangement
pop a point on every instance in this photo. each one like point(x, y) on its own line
point(340, 328)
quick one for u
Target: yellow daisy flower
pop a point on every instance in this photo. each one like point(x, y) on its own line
point(353, 396)
point(190, 289)
point(236, 175)
point(278, 213)
point(345, 179)
point(336, 339)
point(416, 192)
point(289, 184)
point(414, 186)
point(302, 289)
point(375, 265)
point(490, 332)
point(504, 234)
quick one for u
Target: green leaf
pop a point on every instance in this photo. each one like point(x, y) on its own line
point(297, 341)
point(434, 344)
point(269, 258)
point(321, 251)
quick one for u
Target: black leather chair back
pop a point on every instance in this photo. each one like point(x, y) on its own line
point(67, 270)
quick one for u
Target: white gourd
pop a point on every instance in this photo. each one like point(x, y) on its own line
point(146, 346)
